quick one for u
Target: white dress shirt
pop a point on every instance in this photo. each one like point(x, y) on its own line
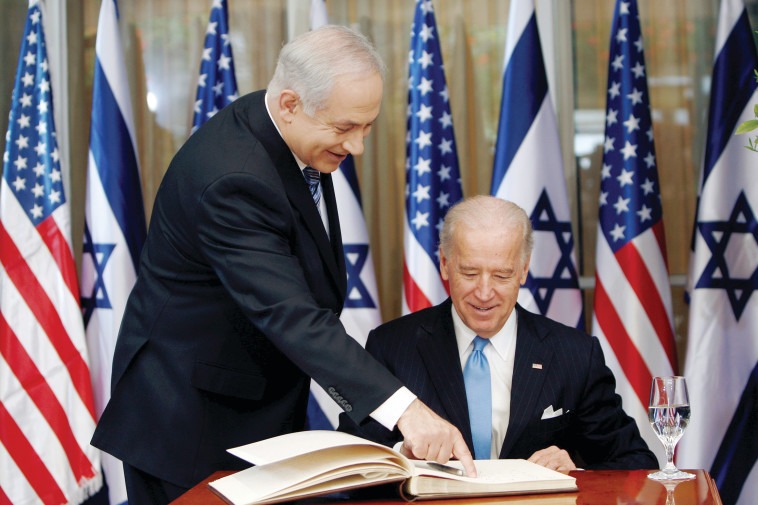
point(500, 354)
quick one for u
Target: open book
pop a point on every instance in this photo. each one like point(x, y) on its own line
point(310, 463)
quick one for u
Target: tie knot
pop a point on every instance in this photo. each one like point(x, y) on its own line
point(480, 343)
point(312, 176)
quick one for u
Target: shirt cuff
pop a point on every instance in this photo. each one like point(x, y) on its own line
point(388, 413)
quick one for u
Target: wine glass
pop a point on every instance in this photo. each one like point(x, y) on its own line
point(669, 415)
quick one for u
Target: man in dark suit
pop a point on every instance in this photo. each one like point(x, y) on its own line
point(242, 280)
point(553, 400)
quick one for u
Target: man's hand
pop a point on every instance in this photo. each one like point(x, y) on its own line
point(553, 458)
point(429, 437)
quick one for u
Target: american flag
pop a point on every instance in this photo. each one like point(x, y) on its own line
point(217, 84)
point(528, 170)
point(431, 167)
point(722, 348)
point(114, 228)
point(46, 407)
point(632, 309)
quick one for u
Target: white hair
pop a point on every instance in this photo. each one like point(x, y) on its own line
point(489, 213)
point(309, 64)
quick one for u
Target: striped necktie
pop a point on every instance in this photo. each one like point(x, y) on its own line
point(313, 178)
point(476, 376)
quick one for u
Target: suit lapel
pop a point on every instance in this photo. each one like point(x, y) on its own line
point(299, 194)
point(438, 349)
point(532, 361)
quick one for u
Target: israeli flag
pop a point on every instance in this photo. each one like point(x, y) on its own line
point(722, 349)
point(528, 170)
point(115, 227)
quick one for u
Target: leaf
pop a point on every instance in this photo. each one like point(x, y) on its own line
point(747, 126)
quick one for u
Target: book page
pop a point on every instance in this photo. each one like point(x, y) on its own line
point(495, 476)
point(495, 471)
point(302, 442)
point(308, 463)
point(303, 476)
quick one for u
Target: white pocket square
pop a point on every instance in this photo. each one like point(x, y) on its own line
point(549, 413)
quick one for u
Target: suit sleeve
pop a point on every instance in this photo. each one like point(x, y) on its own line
point(609, 438)
point(370, 429)
point(249, 235)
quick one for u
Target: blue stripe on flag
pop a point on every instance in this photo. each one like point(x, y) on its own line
point(348, 170)
point(732, 77)
point(739, 448)
point(122, 187)
point(530, 82)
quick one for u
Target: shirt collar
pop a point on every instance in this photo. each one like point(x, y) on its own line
point(501, 341)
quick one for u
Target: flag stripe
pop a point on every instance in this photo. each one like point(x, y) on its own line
point(521, 99)
point(47, 315)
point(733, 78)
point(57, 244)
point(4, 500)
point(414, 297)
point(347, 169)
point(644, 286)
point(634, 366)
point(42, 395)
point(121, 186)
point(28, 461)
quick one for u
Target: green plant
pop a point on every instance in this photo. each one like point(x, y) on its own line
point(750, 125)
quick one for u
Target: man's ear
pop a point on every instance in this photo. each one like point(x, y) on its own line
point(524, 272)
point(443, 266)
point(288, 104)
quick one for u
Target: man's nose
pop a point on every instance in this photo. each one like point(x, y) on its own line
point(484, 288)
point(354, 142)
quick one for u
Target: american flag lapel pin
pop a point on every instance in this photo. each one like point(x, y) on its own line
point(538, 366)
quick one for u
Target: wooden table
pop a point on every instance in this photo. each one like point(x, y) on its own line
point(596, 487)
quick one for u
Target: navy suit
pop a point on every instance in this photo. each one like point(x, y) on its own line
point(236, 305)
point(554, 366)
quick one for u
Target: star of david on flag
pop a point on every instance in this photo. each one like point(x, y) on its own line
point(722, 347)
point(528, 170)
point(217, 84)
point(431, 169)
point(632, 306)
point(47, 410)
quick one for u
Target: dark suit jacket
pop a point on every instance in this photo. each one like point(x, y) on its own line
point(421, 350)
point(236, 305)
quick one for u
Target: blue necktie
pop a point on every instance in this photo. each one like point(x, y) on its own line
point(476, 376)
point(313, 178)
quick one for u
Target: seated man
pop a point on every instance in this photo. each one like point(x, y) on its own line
point(547, 395)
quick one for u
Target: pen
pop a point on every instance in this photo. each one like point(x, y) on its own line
point(445, 468)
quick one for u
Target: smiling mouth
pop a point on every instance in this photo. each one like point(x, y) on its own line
point(482, 309)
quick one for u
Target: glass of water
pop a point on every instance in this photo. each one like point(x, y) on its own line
point(669, 415)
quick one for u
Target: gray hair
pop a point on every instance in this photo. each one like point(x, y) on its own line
point(309, 64)
point(489, 213)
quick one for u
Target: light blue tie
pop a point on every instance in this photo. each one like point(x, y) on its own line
point(476, 376)
point(313, 178)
